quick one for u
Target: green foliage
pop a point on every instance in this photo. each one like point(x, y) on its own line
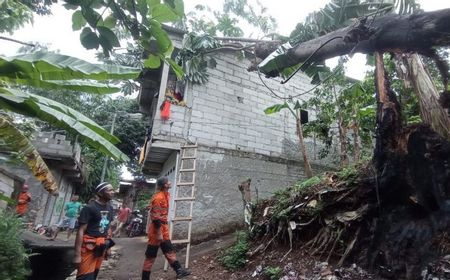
point(226, 22)
point(192, 57)
point(143, 200)
point(235, 257)
point(409, 103)
point(62, 116)
point(273, 272)
point(13, 15)
point(303, 186)
point(205, 23)
point(275, 108)
point(346, 102)
point(93, 162)
point(7, 199)
point(130, 128)
point(52, 66)
point(333, 16)
point(13, 256)
point(348, 173)
point(254, 15)
point(103, 22)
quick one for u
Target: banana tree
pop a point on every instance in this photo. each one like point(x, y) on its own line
point(373, 32)
point(296, 112)
point(55, 71)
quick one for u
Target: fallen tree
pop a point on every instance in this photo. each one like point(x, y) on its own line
point(388, 33)
point(392, 215)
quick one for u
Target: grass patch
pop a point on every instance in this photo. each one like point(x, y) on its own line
point(273, 273)
point(348, 173)
point(303, 186)
point(235, 257)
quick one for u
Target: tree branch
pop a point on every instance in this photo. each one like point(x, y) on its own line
point(389, 33)
point(247, 40)
point(17, 41)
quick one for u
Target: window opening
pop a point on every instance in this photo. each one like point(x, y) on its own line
point(175, 90)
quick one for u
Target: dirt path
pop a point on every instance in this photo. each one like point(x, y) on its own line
point(129, 256)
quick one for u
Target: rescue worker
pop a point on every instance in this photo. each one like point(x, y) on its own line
point(22, 201)
point(158, 232)
point(93, 242)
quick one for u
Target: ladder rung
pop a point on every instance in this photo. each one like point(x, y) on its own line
point(185, 184)
point(184, 198)
point(187, 170)
point(181, 219)
point(188, 158)
point(181, 241)
point(189, 146)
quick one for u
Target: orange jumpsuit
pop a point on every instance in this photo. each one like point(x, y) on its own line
point(24, 199)
point(159, 227)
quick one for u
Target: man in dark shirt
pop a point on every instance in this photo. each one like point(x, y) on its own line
point(93, 237)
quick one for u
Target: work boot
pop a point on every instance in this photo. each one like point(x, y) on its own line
point(145, 275)
point(181, 272)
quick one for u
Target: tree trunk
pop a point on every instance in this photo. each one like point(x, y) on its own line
point(342, 129)
point(343, 143)
point(389, 33)
point(301, 144)
point(356, 142)
point(388, 123)
point(419, 78)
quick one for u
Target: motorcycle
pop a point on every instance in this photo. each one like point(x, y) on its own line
point(136, 226)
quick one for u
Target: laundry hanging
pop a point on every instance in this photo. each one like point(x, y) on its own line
point(165, 110)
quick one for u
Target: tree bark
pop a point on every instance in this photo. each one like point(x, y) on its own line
point(356, 142)
point(389, 33)
point(342, 129)
point(431, 111)
point(388, 118)
point(301, 144)
point(343, 143)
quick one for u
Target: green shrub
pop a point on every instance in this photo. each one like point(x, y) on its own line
point(234, 257)
point(273, 273)
point(143, 200)
point(303, 186)
point(13, 256)
point(348, 173)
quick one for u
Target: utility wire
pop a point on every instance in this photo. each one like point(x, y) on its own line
point(309, 58)
point(300, 94)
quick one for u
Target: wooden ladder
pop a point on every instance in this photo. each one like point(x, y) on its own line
point(185, 194)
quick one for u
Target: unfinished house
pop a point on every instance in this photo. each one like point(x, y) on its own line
point(236, 139)
point(64, 160)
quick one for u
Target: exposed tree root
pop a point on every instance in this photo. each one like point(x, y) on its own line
point(393, 223)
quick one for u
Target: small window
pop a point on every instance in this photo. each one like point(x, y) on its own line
point(303, 116)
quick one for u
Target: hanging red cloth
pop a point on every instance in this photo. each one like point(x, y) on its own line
point(165, 110)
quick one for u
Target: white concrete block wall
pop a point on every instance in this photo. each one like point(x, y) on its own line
point(215, 116)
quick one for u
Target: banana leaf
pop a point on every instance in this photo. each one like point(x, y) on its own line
point(13, 138)
point(61, 116)
point(52, 66)
point(75, 85)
